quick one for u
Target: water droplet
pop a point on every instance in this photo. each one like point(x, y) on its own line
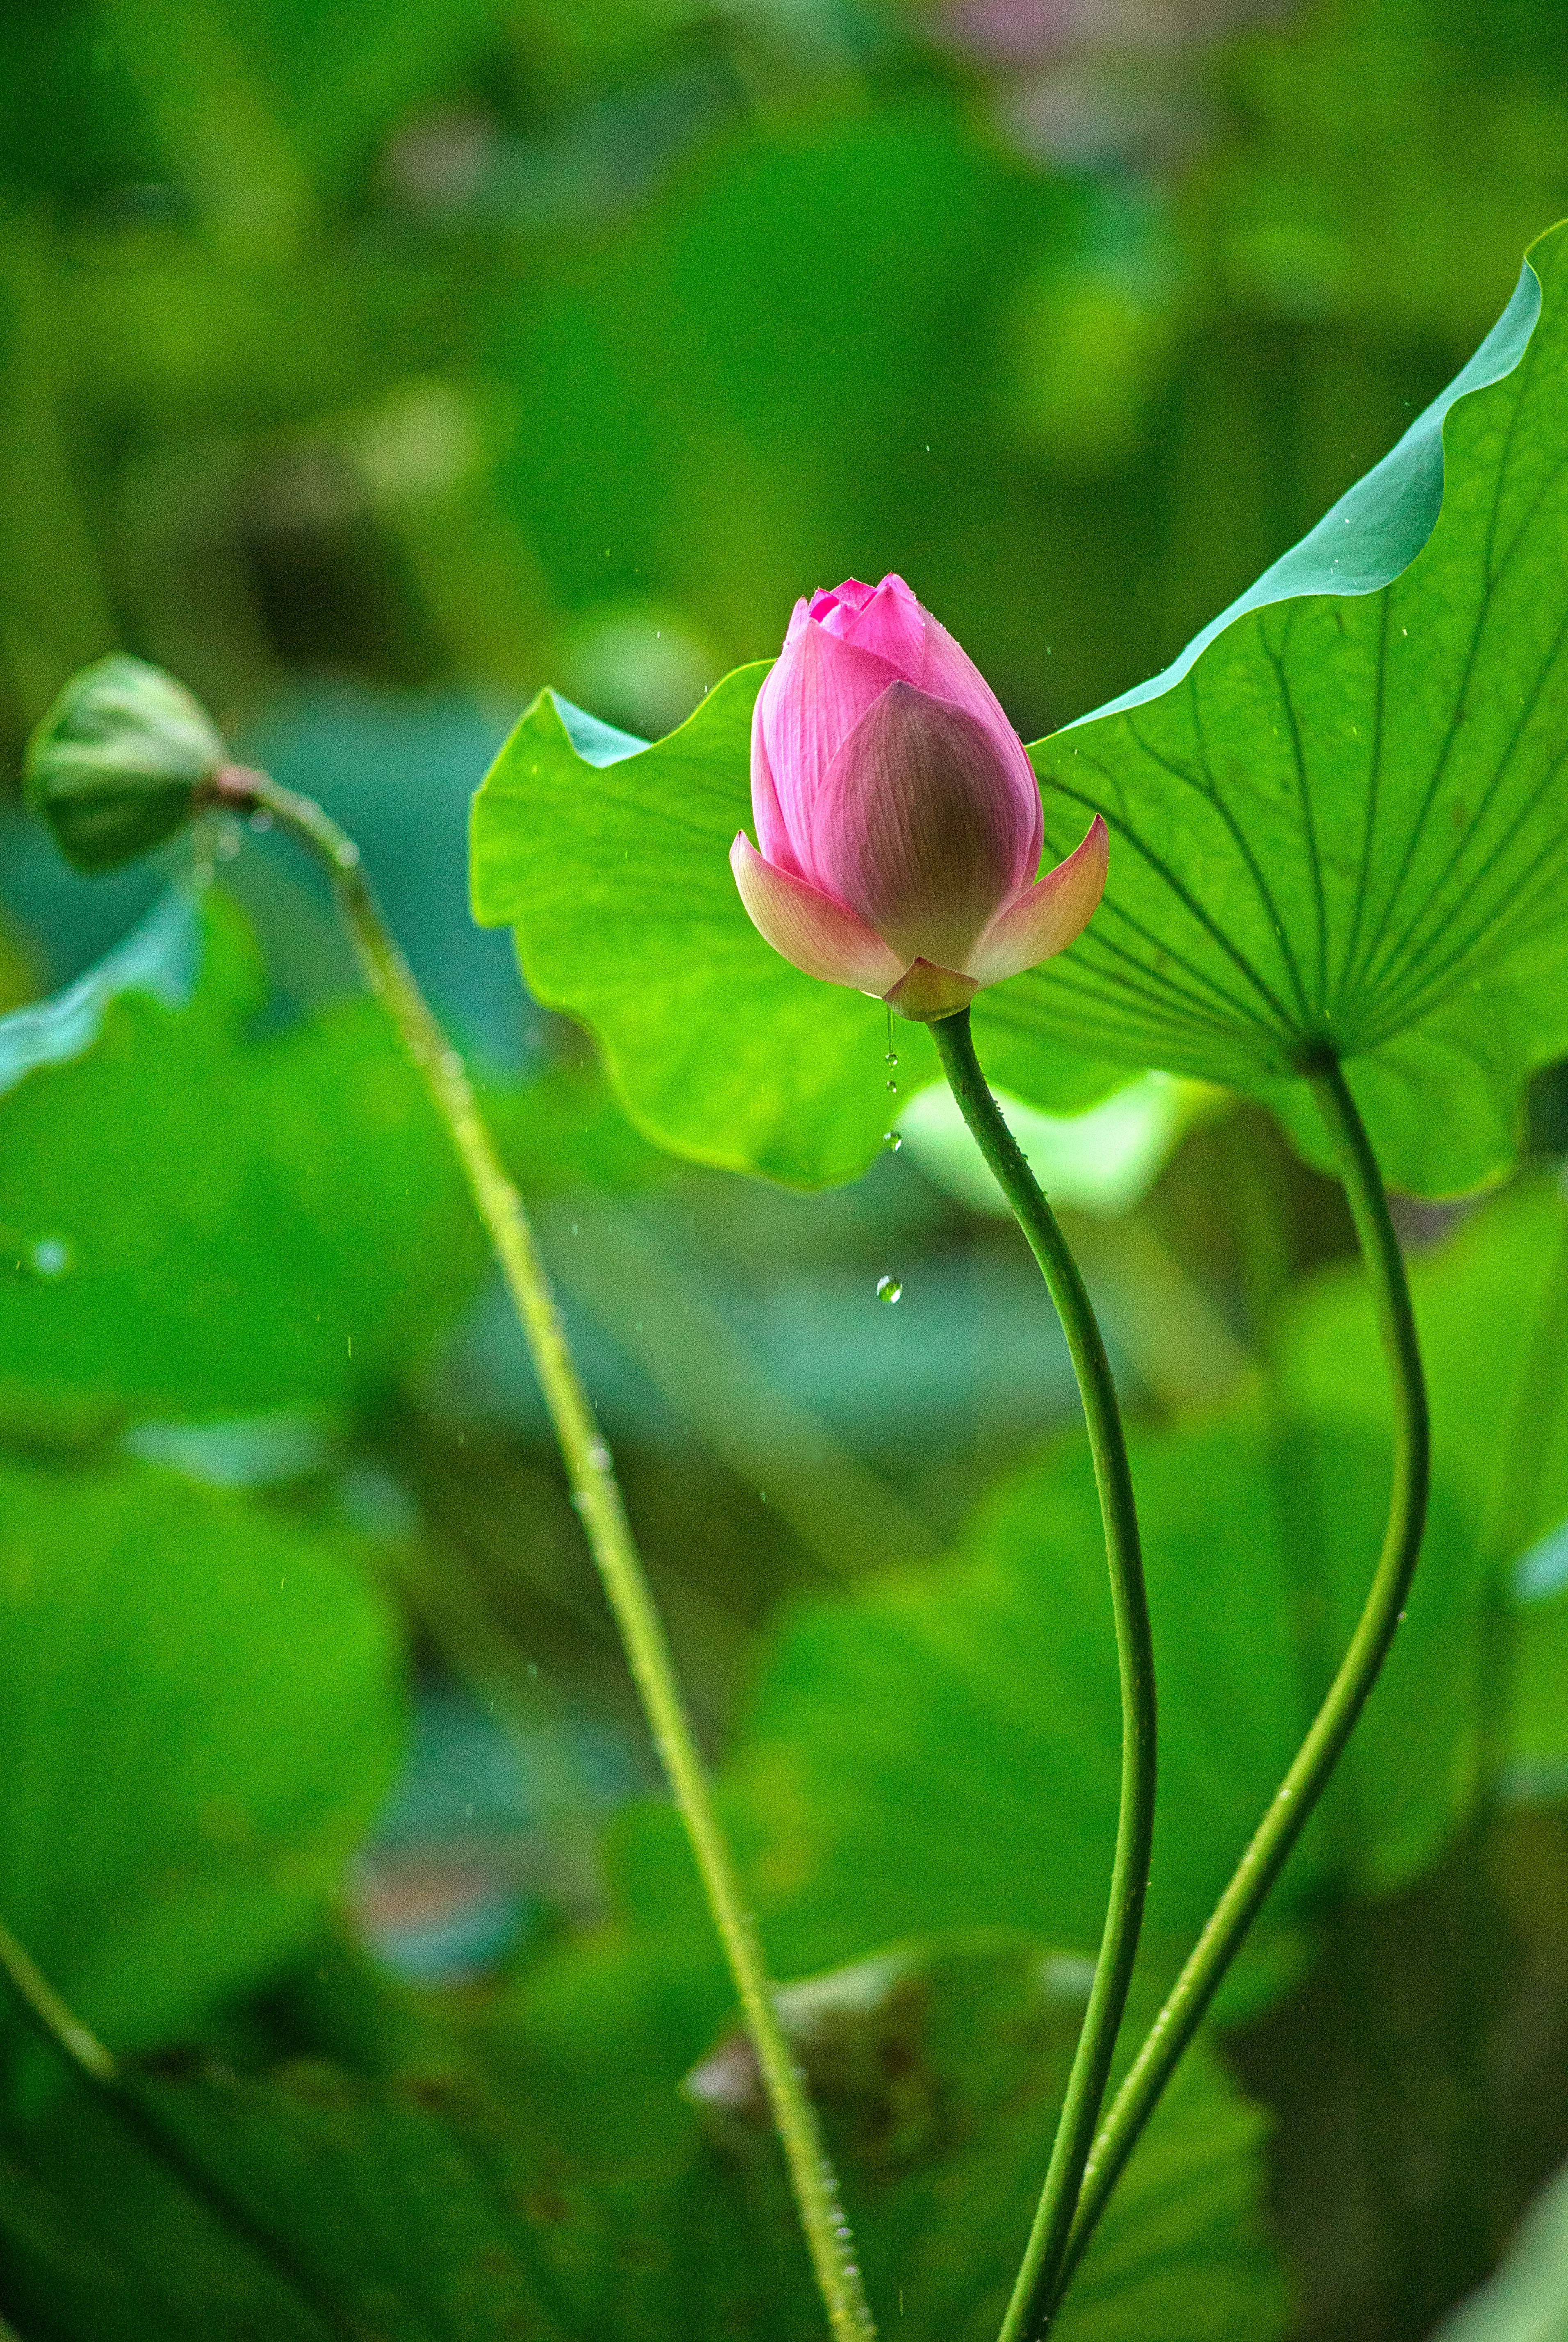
point(599, 1457)
point(451, 1064)
point(891, 1059)
point(261, 820)
point(888, 1289)
point(50, 1257)
point(228, 845)
point(892, 1085)
point(346, 855)
point(892, 1140)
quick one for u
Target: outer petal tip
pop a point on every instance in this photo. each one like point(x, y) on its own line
point(815, 933)
point(1046, 917)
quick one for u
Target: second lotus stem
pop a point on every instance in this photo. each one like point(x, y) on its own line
point(1315, 1761)
point(1029, 2311)
point(598, 1498)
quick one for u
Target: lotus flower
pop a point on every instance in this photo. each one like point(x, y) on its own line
point(897, 813)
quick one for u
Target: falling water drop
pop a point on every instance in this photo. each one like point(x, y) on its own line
point(892, 1085)
point(889, 1289)
point(50, 1257)
point(892, 1140)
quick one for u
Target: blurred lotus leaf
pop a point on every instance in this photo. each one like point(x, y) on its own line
point(578, 2190)
point(1527, 2299)
point(943, 1745)
point(196, 1223)
point(201, 1714)
point(1492, 1306)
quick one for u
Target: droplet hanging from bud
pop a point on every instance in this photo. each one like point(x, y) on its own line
point(117, 764)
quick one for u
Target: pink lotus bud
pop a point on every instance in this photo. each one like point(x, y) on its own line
point(898, 816)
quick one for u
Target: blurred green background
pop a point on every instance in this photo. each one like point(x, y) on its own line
point(370, 366)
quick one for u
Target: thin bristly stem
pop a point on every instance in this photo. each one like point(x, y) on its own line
point(597, 1498)
point(1029, 2311)
point(1297, 1795)
point(53, 2018)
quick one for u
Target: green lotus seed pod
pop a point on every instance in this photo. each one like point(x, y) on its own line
point(114, 766)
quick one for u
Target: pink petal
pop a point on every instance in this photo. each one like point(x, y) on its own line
point(815, 932)
point(815, 695)
point(797, 618)
point(924, 994)
point(949, 672)
point(887, 622)
point(849, 597)
point(918, 827)
point(1047, 916)
point(772, 834)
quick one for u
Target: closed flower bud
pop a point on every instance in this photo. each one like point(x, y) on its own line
point(117, 764)
point(897, 815)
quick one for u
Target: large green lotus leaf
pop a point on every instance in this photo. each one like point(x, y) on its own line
point(200, 1223)
point(199, 1711)
point(1336, 825)
point(1337, 820)
point(575, 2191)
point(943, 1748)
point(611, 859)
